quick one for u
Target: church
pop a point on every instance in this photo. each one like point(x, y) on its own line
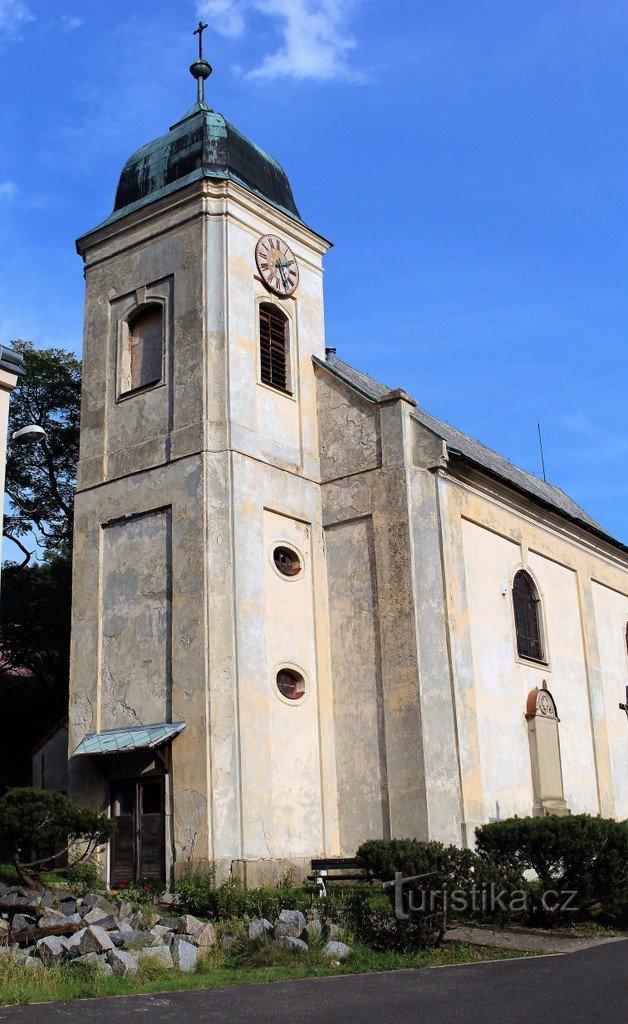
point(306, 613)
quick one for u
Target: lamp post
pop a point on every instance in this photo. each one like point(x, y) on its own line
point(32, 433)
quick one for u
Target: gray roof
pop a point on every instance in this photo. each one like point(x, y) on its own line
point(12, 361)
point(136, 737)
point(461, 445)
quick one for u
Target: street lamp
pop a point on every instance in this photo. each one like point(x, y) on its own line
point(30, 434)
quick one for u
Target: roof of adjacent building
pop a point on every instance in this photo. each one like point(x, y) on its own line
point(11, 361)
point(460, 445)
point(121, 741)
point(203, 144)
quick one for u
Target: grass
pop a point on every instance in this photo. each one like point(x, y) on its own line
point(265, 962)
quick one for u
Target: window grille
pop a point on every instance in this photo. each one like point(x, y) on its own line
point(527, 607)
point(273, 341)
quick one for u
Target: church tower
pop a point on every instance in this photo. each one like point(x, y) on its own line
point(200, 703)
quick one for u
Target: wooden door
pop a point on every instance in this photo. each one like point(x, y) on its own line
point(152, 832)
point(138, 847)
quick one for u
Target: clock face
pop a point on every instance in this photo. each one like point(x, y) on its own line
point(277, 264)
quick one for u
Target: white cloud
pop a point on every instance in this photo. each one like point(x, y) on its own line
point(224, 16)
point(13, 16)
point(8, 190)
point(314, 41)
point(69, 22)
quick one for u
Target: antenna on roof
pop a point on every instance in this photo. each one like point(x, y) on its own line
point(538, 427)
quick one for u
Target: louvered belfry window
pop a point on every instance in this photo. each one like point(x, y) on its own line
point(527, 606)
point(273, 344)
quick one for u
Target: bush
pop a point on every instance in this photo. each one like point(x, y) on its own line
point(40, 827)
point(445, 870)
point(580, 853)
point(200, 896)
point(84, 876)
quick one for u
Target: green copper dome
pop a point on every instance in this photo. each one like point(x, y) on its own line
point(202, 145)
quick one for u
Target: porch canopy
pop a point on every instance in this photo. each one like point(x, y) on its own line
point(124, 741)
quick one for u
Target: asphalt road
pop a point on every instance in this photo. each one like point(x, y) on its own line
point(590, 987)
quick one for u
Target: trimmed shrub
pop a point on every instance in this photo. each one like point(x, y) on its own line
point(447, 872)
point(578, 853)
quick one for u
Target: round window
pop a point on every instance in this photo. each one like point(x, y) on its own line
point(287, 561)
point(290, 684)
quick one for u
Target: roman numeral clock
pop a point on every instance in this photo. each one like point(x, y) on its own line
point(277, 265)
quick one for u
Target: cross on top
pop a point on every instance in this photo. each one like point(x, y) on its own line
point(199, 32)
point(624, 707)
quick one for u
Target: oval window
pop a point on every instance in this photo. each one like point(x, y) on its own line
point(290, 684)
point(287, 561)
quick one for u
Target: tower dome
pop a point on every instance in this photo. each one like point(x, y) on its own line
point(203, 144)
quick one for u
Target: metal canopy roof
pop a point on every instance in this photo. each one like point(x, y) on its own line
point(121, 741)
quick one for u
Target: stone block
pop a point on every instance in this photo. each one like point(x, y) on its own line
point(292, 943)
point(50, 949)
point(259, 927)
point(122, 963)
point(94, 940)
point(337, 950)
point(290, 923)
point(72, 943)
point(67, 906)
point(171, 923)
point(157, 954)
point(22, 923)
point(188, 925)
point(50, 918)
point(184, 954)
point(205, 936)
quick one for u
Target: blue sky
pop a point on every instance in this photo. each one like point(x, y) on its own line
point(466, 157)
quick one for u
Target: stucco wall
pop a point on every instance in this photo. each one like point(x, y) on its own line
point(487, 537)
point(611, 617)
point(136, 656)
point(358, 696)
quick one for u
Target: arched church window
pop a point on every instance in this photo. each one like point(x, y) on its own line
point(527, 608)
point(143, 364)
point(273, 346)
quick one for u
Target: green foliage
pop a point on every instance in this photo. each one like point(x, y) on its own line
point(40, 478)
point(142, 893)
point(36, 597)
point(200, 896)
point(579, 853)
point(49, 824)
point(84, 876)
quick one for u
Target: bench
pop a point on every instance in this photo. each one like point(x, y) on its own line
point(336, 869)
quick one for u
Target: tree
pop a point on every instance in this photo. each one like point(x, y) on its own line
point(36, 593)
point(41, 478)
point(40, 828)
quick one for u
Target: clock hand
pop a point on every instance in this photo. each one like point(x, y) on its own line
point(283, 276)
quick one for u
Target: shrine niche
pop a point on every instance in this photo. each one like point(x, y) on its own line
point(547, 774)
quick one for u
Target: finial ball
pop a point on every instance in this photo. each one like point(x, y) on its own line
point(200, 69)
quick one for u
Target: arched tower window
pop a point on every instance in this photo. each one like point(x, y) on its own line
point(274, 346)
point(527, 608)
point(143, 358)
